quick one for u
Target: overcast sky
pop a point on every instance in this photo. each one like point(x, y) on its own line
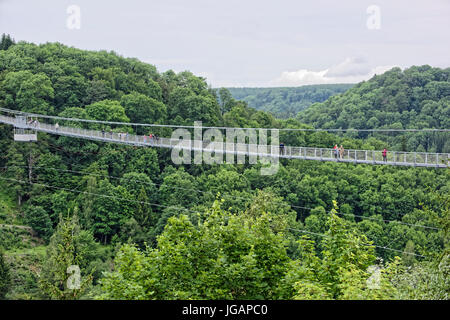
point(247, 42)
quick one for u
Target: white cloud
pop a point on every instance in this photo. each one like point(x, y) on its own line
point(349, 67)
point(351, 70)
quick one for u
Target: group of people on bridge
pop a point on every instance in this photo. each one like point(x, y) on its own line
point(34, 123)
point(124, 136)
point(338, 151)
point(151, 137)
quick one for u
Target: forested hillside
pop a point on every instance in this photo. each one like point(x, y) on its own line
point(140, 227)
point(416, 98)
point(287, 102)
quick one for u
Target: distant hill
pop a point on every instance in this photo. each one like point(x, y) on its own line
point(286, 102)
point(418, 97)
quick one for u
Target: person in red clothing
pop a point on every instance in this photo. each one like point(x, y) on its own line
point(384, 155)
point(336, 151)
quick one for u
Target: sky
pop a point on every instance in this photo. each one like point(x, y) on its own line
point(246, 43)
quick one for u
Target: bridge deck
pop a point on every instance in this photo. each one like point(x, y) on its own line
point(418, 159)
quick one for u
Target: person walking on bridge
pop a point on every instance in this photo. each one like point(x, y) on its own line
point(336, 151)
point(341, 152)
point(384, 155)
point(151, 137)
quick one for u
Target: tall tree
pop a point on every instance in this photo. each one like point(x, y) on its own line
point(38, 219)
point(61, 276)
point(29, 92)
point(16, 163)
point(6, 42)
point(142, 109)
point(226, 100)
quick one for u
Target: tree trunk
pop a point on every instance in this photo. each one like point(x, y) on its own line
point(30, 167)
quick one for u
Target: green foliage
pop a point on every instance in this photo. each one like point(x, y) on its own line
point(416, 98)
point(5, 276)
point(429, 280)
point(107, 110)
point(17, 171)
point(144, 191)
point(285, 102)
point(424, 281)
point(341, 269)
point(176, 189)
point(70, 91)
point(38, 219)
point(51, 78)
point(201, 108)
point(226, 100)
point(280, 213)
point(50, 170)
point(250, 247)
point(23, 90)
point(6, 42)
point(25, 265)
point(68, 247)
point(225, 257)
point(144, 161)
point(143, 109)
point(16, 237)
point(110, 210)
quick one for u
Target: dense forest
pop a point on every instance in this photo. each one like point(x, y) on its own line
point(416, 98)
point(286, 102)
point(137, 226)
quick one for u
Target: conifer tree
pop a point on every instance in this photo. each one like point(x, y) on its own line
point(61, 276)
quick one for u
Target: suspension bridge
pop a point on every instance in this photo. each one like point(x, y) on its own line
point(26, 130)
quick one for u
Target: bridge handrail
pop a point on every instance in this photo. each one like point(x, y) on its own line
point(323, 154)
